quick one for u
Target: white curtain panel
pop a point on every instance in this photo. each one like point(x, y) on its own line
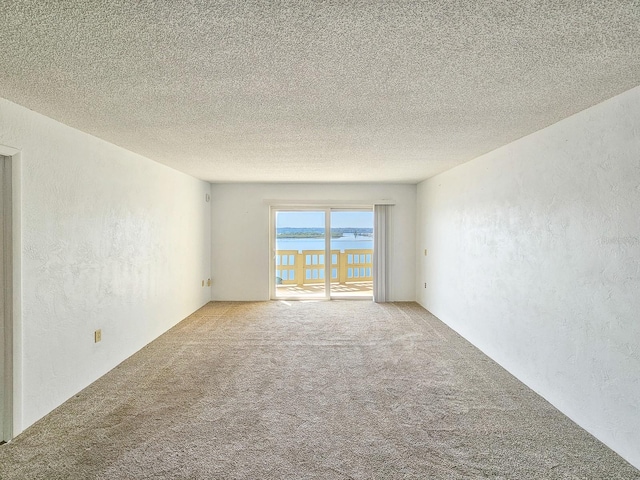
point(380, 255)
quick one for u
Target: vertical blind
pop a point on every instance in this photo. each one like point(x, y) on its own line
point(380, 253)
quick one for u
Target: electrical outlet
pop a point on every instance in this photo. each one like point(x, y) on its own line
point(425, 285)
point(203, 283)
point(208, 282)
point(425, 252)
point(97, 335)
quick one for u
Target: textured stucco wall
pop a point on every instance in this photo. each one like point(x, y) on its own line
point(240, 219)
point(534, 256)
point(110, 240)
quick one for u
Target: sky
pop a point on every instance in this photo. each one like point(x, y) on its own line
point(316, 219)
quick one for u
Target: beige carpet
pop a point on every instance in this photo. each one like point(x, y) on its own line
point(327, 390)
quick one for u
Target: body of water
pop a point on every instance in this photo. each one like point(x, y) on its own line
point(347, 242)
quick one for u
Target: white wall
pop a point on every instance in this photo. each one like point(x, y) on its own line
point(110, 240)
point(534, 256)
point(240, 219)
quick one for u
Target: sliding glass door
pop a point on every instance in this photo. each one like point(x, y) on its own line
point(322, 253)
point(300, 251)
point(351, 253)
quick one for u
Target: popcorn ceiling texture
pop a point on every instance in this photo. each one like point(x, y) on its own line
point(315, 91)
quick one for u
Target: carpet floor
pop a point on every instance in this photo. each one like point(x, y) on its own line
point(308, 390)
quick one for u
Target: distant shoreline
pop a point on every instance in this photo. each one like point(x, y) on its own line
point(308, 235)
point(316, 233)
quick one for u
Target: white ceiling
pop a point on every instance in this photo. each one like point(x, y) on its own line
point(315, 91)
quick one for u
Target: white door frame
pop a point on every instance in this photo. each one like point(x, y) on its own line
point(327, 209)
point(10, 312)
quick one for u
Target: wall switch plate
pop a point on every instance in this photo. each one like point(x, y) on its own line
point(425, 252)
point(208, 282)
point(203, 283)
point(97, 335)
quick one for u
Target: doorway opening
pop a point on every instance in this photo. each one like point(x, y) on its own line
point(322, 253)
point(6, 302)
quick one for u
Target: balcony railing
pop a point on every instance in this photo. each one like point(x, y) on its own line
point(306, 267)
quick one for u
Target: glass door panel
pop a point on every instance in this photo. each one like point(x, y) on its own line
point(300, 251)
point(351, 253)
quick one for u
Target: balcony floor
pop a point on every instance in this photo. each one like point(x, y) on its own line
point(355, 289)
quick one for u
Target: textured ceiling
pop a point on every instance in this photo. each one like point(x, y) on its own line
point(338, 90)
